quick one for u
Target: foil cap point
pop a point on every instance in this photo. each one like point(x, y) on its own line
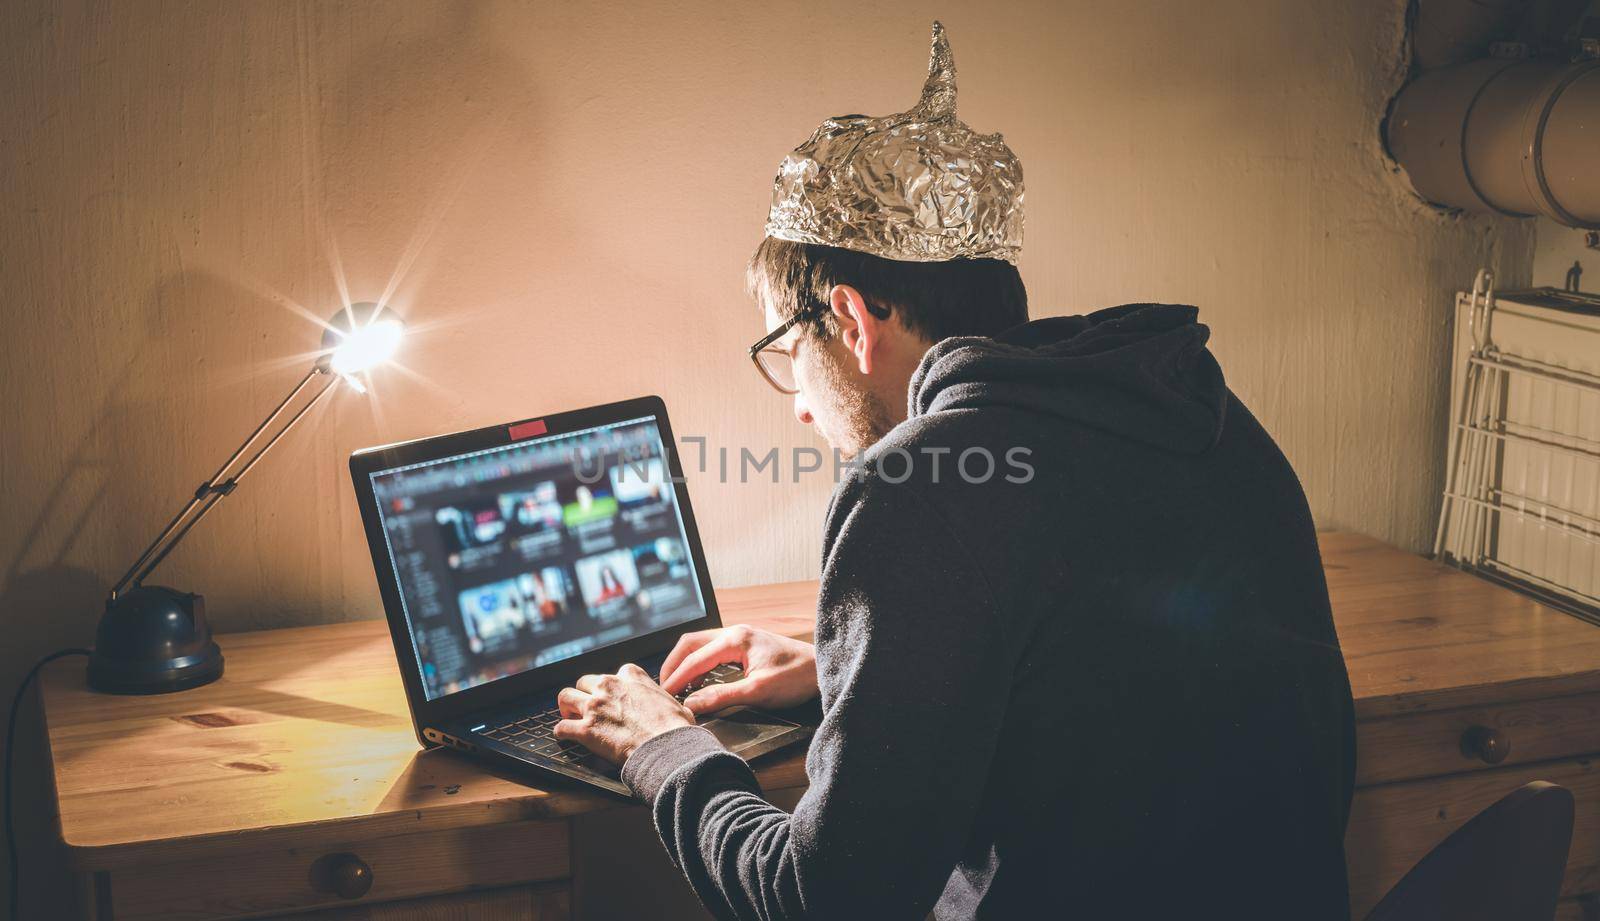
point(918, 185)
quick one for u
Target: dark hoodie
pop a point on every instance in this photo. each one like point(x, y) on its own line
point(1103, 686)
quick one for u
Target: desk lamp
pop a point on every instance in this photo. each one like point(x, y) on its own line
point(154, 639)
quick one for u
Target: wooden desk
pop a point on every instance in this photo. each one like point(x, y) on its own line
point(218, 802)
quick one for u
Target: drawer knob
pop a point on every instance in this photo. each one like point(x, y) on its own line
point(344, 875)
point(1491, 746)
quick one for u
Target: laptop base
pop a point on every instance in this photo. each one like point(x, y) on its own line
point(745, 732)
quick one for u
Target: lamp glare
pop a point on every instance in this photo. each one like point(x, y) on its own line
point(367, 346)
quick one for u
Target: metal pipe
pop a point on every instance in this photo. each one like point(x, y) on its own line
point(1517, 137)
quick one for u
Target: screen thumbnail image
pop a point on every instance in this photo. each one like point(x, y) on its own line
point(536, 509)
point(639, 482)
point(545, 595)
point(586, 503)
point(607, 581)
point(466, 528)
point(660, 560)
point(492, 615)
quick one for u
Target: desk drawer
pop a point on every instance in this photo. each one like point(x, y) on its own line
point(552, 902)
point(1428, 744)
point(1393, 826)
point(401, 867)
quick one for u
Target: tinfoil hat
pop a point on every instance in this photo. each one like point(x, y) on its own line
point(918, 186)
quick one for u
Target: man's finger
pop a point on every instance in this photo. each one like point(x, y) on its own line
point(588, 683)
point(569, 729)
point(719, 651)
point(570, 702)
point(633, 671)
point(687, 643)
point(719, 697)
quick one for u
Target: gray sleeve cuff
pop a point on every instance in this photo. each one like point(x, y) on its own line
point(652, 764)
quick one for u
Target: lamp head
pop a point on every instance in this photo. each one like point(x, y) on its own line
point(360, 338)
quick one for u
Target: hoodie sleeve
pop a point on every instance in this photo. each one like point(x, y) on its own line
point(914, 678)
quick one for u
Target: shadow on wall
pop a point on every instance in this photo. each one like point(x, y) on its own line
point(387, 142)
point(99, 509)
point(47, 603)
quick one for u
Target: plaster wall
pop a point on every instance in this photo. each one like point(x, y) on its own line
point(1557, 250)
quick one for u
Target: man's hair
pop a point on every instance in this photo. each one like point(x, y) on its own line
point(936, 300)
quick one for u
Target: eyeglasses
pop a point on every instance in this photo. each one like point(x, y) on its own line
point(777, 365)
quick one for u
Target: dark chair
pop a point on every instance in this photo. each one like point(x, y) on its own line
point(1504, 865)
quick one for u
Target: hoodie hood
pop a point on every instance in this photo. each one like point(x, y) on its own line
point(1141, 371)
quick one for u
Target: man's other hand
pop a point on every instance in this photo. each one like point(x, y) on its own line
point(612, 715)
point(778, 671)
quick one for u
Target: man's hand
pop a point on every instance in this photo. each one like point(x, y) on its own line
point(612, 715)
point(778, 671)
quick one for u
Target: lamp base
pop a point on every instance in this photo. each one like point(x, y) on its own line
point(152, 640)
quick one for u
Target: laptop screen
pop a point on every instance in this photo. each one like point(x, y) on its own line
point(518, 556)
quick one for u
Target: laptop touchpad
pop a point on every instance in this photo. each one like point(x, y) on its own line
point(741, 729)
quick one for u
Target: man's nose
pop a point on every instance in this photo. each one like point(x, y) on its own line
point(801, 410)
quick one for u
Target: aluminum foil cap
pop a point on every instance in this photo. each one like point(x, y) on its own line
point(918, 186)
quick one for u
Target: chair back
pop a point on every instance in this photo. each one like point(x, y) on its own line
point(1505, 864)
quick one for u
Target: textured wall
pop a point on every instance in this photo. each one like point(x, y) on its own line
point(562, 196)
point(1556, 250)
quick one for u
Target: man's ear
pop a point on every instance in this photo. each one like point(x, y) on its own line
point(860, 330)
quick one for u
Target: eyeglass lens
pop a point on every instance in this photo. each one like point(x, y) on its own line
point(778, 367)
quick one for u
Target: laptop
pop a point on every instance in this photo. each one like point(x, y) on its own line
point(515, 558)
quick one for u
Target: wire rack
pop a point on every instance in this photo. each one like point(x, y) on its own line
point(1522, 486)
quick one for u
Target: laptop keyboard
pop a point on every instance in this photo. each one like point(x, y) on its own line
point(535, 733)
point(722, 674)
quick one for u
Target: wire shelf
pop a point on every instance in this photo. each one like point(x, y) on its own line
point(1521, 502)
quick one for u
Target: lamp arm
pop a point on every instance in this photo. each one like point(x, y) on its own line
point(211, 491)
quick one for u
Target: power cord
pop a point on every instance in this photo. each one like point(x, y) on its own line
point(11, 757)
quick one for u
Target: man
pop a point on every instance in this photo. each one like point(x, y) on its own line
point(1074, 652)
